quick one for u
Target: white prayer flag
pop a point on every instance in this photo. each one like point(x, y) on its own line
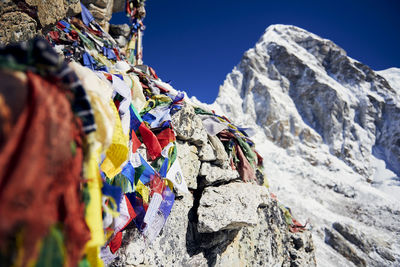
point(175, 175)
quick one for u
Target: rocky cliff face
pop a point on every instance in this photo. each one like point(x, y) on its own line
point(21, 20)
point(329, 133)
point(223, 221)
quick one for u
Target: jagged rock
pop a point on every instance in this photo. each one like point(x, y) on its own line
point(212, 174)
point(222, 158)
point(119, 6)
point(189, 161)
point(16, 27)
point(206, 153)
point(353, 236)
point(49, 12)
point(340, 244)
point(268, 243)
point(230, 206)
point(119, 29)
point(168, 249)
point(101, 10)
point(120, 32)
point(121, 41)
point(21, 21)
point(385, 253)
point(347, 191)
point(188, 126)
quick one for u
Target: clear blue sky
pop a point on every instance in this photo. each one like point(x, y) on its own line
point(195, 44)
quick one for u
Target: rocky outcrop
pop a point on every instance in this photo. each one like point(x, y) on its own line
point(101, 10)
point(120, 33)
point(223, 221)
point(230, 206)
point(22, 20)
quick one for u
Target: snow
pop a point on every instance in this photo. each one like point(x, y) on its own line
point(392, 75)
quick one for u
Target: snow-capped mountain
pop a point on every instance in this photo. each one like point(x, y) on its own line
point(329, 131)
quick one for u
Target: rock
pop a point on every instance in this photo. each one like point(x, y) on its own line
point(119, 6)
point(213, 174)
point(16, 27)
point(230, 206)
point(268, 243)
point(101, 10)
point(121, 41)
point(22, 20)
point(338, 243)
point(385, 253)
point(188, 126)
point(206, 153)
point(222, 158)
point(354, 236)
point(119, 29)
point(189, 161)
point(72, 7)
point(120, 33)
point(347, 191)
point(49, 12)
point(168, 249)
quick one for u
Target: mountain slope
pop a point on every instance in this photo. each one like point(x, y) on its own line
point(328, 130)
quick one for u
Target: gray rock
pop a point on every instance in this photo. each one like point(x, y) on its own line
point(338, 243)
point(188, 126)
point(385, 253)
point(230, 206)
point(168, 249)
point(101, 10)
point(347, 191)
point(189, 161)
point(119, 29)
point(206, 153)
point(222, 158)
point(268, 243)
point(354, 236)
point(212, 174)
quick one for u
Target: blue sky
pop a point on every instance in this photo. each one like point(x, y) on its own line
point(195, 44)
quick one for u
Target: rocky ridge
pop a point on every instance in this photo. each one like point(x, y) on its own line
point(328, 131)
point(21, 20)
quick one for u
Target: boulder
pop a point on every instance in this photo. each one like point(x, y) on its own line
point(22, 20)
point(188, 126)
point(212, 174)
point(230, 206)
point(189, 161)
point(206, 153)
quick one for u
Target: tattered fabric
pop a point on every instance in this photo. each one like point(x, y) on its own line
point(40, 168)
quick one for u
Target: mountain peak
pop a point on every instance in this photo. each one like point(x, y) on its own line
point(328, 128)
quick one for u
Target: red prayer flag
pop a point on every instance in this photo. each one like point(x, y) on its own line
point(116, 242)
point(151, 142)
point(165, 137)
point(135, 142)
